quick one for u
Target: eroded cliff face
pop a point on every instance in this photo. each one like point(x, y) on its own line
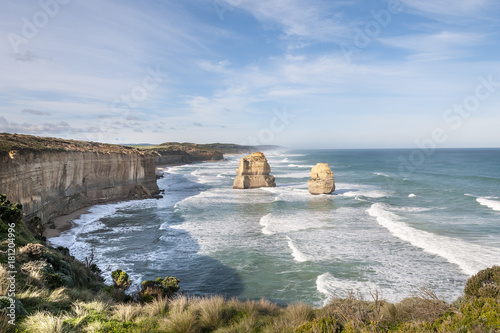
point(322, 180)
point(253, 172)
point(53, 182)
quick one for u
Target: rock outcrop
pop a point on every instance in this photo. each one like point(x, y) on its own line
point(53, 177)
point(321, 181)
point(253, 172)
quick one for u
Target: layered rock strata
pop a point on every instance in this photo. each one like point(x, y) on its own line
point(322, 181)
point(53, 177)
point(253, 172)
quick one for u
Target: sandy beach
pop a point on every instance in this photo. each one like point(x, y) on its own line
point(64, 223)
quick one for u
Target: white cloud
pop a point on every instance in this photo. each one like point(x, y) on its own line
point(313, 20)
point(449, 7)
point(438, 46)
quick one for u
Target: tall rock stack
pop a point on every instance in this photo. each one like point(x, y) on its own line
point(321, 181)
point(253, 172)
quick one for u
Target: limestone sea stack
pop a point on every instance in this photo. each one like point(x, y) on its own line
point(253, 172)
point(321, 181)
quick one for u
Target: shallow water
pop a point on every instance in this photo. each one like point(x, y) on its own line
point(388, 227)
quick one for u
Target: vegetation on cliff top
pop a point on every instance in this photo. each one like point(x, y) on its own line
point(224, 148)
point(20, 142)
point(56, 293)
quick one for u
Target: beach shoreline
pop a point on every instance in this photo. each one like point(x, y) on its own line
point(63, 223)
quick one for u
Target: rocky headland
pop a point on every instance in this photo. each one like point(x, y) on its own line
point(322, 181)
point(173, 153)
point(253, 172)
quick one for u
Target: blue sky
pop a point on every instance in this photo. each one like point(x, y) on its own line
point(304, 74)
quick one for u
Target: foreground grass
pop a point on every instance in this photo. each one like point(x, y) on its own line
point(216, 314)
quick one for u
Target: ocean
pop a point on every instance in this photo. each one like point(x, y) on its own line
point(399, 220)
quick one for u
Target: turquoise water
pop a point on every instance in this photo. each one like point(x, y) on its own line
point(398, 220)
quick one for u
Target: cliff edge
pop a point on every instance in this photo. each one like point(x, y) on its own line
point(51, 177)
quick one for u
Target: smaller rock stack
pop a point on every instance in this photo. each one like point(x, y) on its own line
point(321, 181)
point(253, 172)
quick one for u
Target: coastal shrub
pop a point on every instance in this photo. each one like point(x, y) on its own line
point(325, 324)
point(33, 251)
point(475, 315)
point(151, 289)
point(420, 309)
point(485, 283)
point(120, 279)
point(121, 283)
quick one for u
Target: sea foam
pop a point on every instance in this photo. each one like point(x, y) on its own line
point(296, 253)
point(332, 287)
point(469, 257)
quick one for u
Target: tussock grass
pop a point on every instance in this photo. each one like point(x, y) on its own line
point(4, 323)
point(213, 311)
point(43, 322)
point(158, 307)
point(4, 286)
point(182, 319)
point(98, 306)
point(126, 312)
point(299, 313)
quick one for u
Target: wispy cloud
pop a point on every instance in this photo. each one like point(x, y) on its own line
point(447, 8)
point(438, 46)
point(311, 20)
point(36, 112)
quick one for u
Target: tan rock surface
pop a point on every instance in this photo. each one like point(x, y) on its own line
point(53, 177)
point(253, 172)
point(322, 181)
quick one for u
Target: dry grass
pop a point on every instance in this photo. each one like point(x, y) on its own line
point(262, 307)
point(59, 295)
point(424, 306)
point(182, 318)
point(213, 311)
point(158, 307)
point(299, 313)
point(126, 312)
point(4, 286)
point(43, 322)
point(4, 323)
point(98, 306)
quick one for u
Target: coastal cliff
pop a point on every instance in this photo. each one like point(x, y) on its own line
point(52, 177)
point(176, 153)
point(170, 153)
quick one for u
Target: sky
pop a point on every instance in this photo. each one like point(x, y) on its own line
point(303, 74)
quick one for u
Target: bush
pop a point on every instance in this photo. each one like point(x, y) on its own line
point(34, 251)
point(325, 324)
point(485, 283)
point(120, 279)
point(158, 288)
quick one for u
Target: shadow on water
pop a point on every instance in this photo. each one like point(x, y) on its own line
point(173, 251)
